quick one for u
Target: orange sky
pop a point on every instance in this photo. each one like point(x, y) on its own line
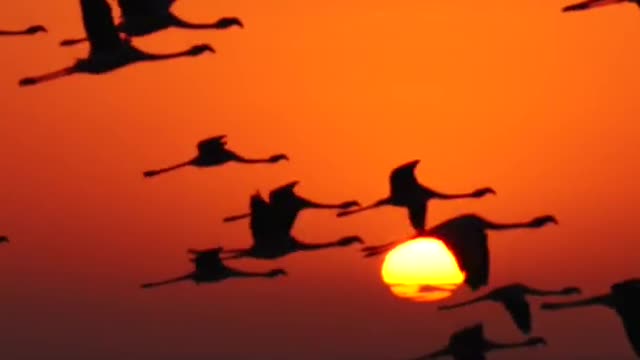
point(542, 106)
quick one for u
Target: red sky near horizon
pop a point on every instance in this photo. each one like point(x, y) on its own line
point(541, 106)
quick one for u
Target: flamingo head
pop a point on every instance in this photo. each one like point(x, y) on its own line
point(201, 49)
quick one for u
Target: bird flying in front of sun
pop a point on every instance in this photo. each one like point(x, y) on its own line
point(422, 269)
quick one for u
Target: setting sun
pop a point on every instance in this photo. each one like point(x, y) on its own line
point(422, 269)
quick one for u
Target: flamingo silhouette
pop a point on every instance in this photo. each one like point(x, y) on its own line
point(31, 30)
point(213, 152)
point(407, 192)
point(272, 238)
point(471, 344)
point(144, 17)
point(4, 239)
point(591, 4)
point(210, 268)
point(623, 298)
point(288, 204)
point(108, 51)
point(513, 299)
point(466, 237)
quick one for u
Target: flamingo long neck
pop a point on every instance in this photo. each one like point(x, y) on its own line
point(538, 292)
point(71, 42)
point(157, 57)
point(306, 203)
point(180, 23)
point(169, 281)
point(236, 217)
point(464, 303)
point(437, 195)
point(250, 274)
point(371, 251)
point(604, 300)
point(319, 246)
point(503, 346)
point(382, 202)
point(151, 173)
point(245, 160)
point(508, 226)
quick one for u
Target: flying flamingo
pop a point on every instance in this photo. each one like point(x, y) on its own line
point(471, 344)
point(285, 201)
point(513, 298)
point(591, 4)
point(31, 30)
point(144, 17)
point(213, 152)
point(108, 51)
point(272, 240)
point(4, 239)
point(407, 192)
point(624, 299)
point(466, 237)
point(210, 268)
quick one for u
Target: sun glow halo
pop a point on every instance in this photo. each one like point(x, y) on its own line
point(422, 269)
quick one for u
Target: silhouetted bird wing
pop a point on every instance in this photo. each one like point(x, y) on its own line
point(212, 144)
point(626, 299)
point(418, 215)
point(284, 193)
point(141, 8)
point(403, 176)
point(266, 225)
point(468, 343)
point(209, 261)
point(287, 204)
point(632, 330)
point(469, 244)
point(99, 26)
point(520, 312)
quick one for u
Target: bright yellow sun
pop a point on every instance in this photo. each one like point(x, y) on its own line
point(422, 269)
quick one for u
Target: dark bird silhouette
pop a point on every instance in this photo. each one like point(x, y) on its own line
point(466, 237)
point(213, 152)
point(108, 51)
point(144, 17)
point(210, 268)
point(4, 239)
point(471, 344)
point(623, 298)
point(513, 298)
point(271, 237)
point(31, 30)
point(591, 4)
point(407, 192)
point(288, 204)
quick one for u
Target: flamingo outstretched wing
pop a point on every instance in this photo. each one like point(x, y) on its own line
point(403, 176)
point(520, 312)
point(142, 8)
point(98, 24)
point(418, 215)
point(468, 242)
point(265, 224)
point(212, 144)
point(626, 297)
point(209, 261)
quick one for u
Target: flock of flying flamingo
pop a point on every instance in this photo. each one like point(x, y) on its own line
point(271, 220)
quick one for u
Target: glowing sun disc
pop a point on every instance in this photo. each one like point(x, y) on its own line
point(422, 269)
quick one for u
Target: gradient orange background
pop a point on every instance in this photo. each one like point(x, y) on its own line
point(540, 105)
